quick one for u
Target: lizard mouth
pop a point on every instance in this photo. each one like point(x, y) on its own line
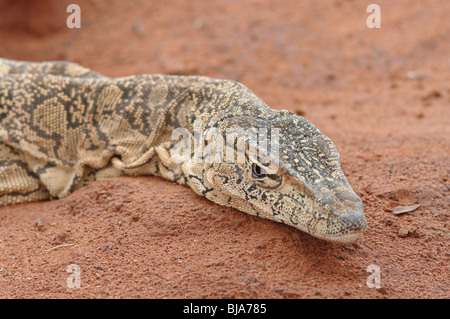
point(340, 238)
point(341, 228)
point(345, 229)
point(347, 238)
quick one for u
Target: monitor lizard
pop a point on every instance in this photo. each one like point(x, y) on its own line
point(63, 126)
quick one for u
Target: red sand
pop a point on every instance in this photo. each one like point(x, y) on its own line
point(382, 95)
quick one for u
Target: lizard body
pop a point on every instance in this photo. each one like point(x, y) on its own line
point(63, 126)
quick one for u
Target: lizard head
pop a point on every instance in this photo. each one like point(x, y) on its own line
point(302, 185)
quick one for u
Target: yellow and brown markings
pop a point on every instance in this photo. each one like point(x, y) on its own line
point(63, 126)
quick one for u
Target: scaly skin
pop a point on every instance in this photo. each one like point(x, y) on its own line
point(63, 126)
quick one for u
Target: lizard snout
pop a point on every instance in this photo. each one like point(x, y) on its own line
point(340, 217)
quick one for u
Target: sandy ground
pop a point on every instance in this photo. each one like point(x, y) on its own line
point(382, 95)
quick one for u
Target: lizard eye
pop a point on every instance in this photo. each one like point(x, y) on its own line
point(258, 171)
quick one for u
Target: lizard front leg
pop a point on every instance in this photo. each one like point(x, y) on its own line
point(17, 183)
